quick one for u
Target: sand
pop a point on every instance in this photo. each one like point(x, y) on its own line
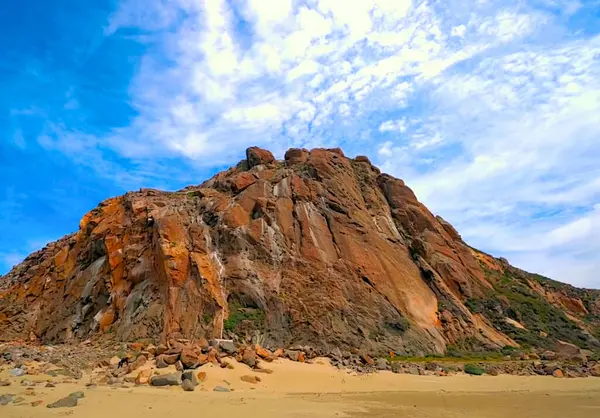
point(320, 390)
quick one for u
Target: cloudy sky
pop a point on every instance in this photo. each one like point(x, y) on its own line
point(489, 109)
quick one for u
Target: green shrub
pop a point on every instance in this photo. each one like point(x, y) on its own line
point(239, 314)
point(473, 369)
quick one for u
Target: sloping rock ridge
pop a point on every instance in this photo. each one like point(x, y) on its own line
point(318, 250)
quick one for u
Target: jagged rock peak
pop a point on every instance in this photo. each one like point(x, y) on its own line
point(318, 249)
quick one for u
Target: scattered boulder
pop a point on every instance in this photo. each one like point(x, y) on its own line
point(172, 379)
point(292, 354)
point(228, 347)
point(4, 383)
point(296, 156)
point(188, 386)
point(212, 357)
point(382, 364)
point(221, 389)
point(165, 360)
point(249, 357)
point(368, 360)
point(139, 362)
point(161, 349)
point(262, 352)
point(336, 354)
point(190, 358)
point(413, 370)
point(191, 376)
point(6, 399)
point(161, 363)
point(17, 372)
point(143, 377)
point(257, 156)
point(66, 402)
point(549, 355)
point(37, 403)
point(565, 349)
point(151, 349)
point(78, 395)
point(201, 376)
point(50, 385)
point(251, 379)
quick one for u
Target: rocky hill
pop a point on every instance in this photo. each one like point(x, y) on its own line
point(319, 250)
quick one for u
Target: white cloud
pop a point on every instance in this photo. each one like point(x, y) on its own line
point(399, 125)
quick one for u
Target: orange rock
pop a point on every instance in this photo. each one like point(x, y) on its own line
point(322, 248)
point(257, 156)
point(143, 377)
point(558, 373)
point(278, 353)
point(213, 358)
point(201, 376)
point(368, 360)
point(262, 352)
point(301, 357)
point(251, 379)
point(242, 181)
point(136, 346)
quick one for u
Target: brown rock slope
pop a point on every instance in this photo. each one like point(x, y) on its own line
point(318, 250)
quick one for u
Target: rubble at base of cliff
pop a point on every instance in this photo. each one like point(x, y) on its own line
point(142, 363)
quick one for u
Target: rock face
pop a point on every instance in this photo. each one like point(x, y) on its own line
point(320, 250)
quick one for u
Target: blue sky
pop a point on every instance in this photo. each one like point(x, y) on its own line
point(489, 109)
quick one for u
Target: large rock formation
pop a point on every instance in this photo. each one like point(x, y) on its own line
point(318, 250)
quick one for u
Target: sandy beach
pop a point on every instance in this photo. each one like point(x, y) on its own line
point(317, 390)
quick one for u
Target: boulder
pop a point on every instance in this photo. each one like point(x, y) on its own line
point(293, 355)
point(221, 389)
point(143, 377)
point(257, 156)
point(565, 349)
point(190, 358)
point(191, 376)
point(151, 349)
point(296, 156)
point(368, 360)
point(188, 386)
point(228, 347)
point(382, 364)
point(250, 379)
point(4, 383)
point(160, 362)
point(548, 355)
point(67, 402)
point(558, 373)
point(262, 352)
point(213, 357)
point(362, 159)
point(168, 358)
point(249, 357)
point(161, 349)
point(172, 379)
point(139, 362)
